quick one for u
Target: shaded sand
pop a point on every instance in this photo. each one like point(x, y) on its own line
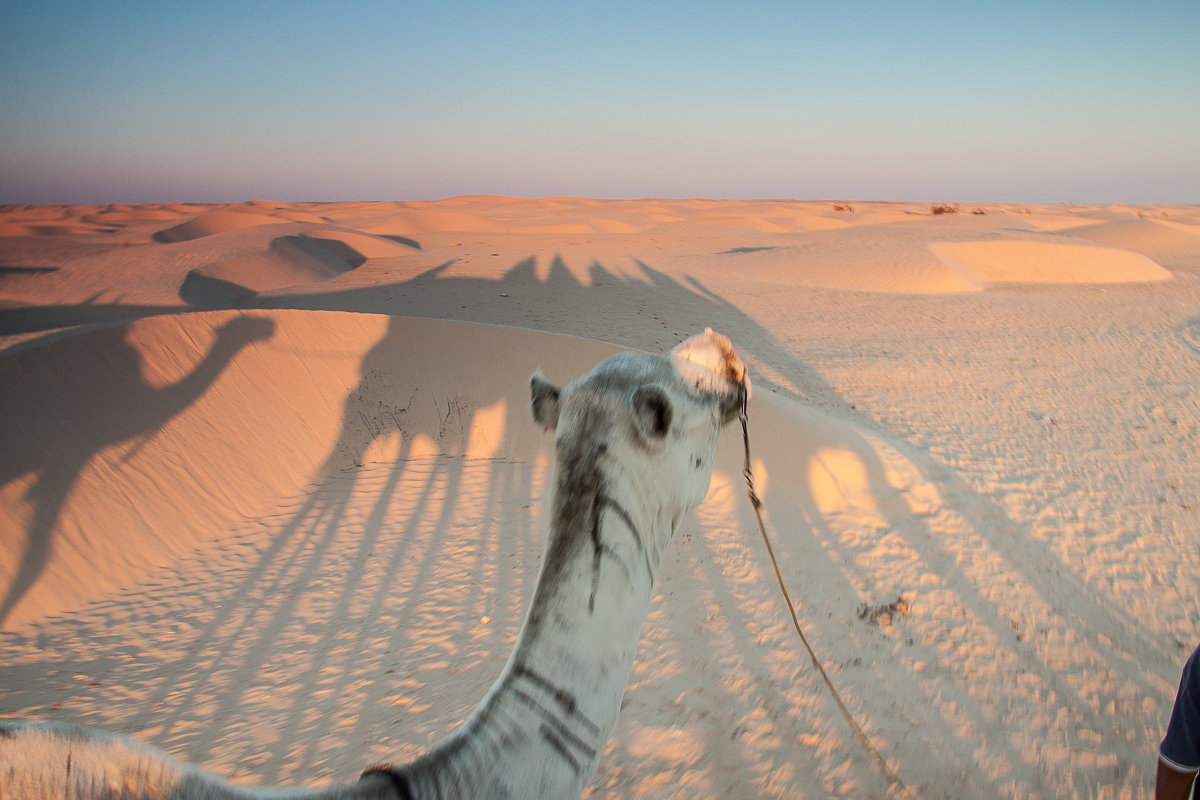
point(130, 413)
point(290, 539)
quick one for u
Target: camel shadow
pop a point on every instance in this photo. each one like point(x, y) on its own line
point(408, 538)
point(649, 310)
point(431, 482)
point(57, 440)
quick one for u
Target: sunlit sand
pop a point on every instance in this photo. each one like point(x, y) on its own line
point(271, 498)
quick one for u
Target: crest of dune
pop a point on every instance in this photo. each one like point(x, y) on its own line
point(1046, 262)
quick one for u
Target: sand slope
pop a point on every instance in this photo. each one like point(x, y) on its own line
point(1042, 262)
point(1142, 234)
point(288, 261)
point(293, 537)
point(210, 222)
point(176, 428)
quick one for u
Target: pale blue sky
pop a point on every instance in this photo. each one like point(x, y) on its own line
point(214, 101)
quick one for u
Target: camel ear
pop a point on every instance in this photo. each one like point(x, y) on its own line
point(543, 401)
point(653, 412)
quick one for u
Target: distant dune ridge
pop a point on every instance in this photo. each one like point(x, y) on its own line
point(207, 223)
point(270, 497)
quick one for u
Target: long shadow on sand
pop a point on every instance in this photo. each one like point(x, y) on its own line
point(35, 319)
point(366, 589)
point(664, 311)
point(80, 414)
point(389, 552)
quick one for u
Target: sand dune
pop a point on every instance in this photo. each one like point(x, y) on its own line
point(289, 261)
point(218, 221)
point(1043, 262)
point(71, 220)
point(130, 216)
point(291, 538)
point(853, 263)
point(1141, 235)
point(132, 412)
point(418, 222)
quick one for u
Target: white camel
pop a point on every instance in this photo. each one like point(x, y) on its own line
point(635, 441)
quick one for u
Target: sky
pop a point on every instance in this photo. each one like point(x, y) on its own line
point(1037, 102)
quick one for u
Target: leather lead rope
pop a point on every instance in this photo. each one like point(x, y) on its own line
point(757, 503)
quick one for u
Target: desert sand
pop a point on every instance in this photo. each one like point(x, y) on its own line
point(271, 498)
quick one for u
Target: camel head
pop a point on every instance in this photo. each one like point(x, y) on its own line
point(657, 416)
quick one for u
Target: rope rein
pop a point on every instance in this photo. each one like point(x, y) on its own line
point(757, 503)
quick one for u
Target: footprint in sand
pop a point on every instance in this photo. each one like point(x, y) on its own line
point(1189, 332)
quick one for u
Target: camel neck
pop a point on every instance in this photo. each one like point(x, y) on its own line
point(541, 730)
